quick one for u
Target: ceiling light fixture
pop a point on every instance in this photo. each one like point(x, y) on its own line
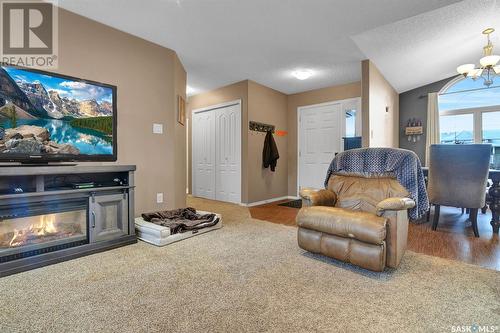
point(302, 74)
point(488, 69)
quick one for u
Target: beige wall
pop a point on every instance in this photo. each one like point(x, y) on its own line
point(268, 106)
point(259, 103)
point(263, 104)
point(179, 160)
point(381, 102)
point(365, 110)
point(228, 93)
point(148, 78)
point(310, 98)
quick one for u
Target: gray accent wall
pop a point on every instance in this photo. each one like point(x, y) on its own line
point(413, 105)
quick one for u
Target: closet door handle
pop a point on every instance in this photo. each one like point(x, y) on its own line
point(93, 219)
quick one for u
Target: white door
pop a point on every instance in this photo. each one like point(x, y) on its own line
point(204, 154)
point(216, 147)
point(228, 154)
point(320, 138)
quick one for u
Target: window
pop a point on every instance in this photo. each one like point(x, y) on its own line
point(350, 123)
point(491, 134)
point(470, 113)
point(468, 94)
point(352, 113)
point(457, 128)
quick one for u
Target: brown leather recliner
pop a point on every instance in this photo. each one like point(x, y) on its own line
point(361, 219)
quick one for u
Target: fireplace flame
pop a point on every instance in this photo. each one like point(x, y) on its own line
point(45, 226)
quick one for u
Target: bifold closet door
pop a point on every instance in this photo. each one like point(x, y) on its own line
point(228, 154)
point(203, 147)
point(217, 154)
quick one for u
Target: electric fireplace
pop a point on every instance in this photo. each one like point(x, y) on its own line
point(42, 227)
point(45, 218)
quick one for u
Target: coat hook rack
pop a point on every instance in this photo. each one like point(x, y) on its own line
point(260, 127)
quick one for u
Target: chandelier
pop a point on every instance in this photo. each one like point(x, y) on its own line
point(488, 69)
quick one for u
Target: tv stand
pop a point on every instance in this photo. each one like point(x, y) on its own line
point(106, 211)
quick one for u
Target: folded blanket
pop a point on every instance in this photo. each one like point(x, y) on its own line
point(181, 220)
point(403, 164)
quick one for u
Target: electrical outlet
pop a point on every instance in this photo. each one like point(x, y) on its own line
point(158, 128)
point(159, 197)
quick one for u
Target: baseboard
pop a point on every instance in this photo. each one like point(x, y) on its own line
point(263, 202)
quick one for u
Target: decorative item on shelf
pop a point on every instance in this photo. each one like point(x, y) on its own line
point(414, 130)
point(260, 127)
point(489, 68)
point(181, 110)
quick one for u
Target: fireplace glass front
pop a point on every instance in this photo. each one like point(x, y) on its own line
point(35, 228)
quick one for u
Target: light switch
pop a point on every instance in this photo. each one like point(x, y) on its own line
point(158, 128)
point(159, 197)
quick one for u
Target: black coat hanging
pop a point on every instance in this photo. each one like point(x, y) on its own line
point(270, 153)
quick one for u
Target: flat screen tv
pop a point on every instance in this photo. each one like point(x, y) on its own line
point(51, 117)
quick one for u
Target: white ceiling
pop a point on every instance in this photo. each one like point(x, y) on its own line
point(428, 47)
point(225, 41)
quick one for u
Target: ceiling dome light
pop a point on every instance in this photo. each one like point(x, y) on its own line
point(190, 90)
point(302, 74)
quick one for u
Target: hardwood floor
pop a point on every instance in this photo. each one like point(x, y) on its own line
point(274, 213)
point(452, 239)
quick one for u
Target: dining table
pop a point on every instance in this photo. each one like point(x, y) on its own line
point(493, 201)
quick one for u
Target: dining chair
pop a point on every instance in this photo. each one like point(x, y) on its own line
point(458, 175)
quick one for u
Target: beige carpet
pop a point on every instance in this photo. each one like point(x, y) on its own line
point(248, 276)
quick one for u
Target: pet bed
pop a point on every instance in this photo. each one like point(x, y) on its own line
point(160, 236)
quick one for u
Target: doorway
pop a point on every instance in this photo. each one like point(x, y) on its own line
point(321, 129)
point(216, 150)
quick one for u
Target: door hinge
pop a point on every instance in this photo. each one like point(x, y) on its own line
point(92, 194)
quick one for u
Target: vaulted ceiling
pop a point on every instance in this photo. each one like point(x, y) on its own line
point(225, 41)
point(428, 47)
